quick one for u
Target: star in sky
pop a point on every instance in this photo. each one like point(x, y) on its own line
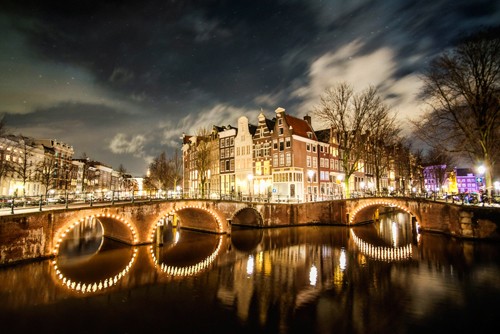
point(122, 80)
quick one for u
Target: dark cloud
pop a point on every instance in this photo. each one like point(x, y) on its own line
point(133, 75)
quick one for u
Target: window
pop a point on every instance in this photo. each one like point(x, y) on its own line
point(288, 142)
point(308, 159)
point(232, 141)
point(308, 147)
point(280, 121)
point(231, 152)
point(315, 162)
point(282, 159)
point(222, 166)
point(314, 148)
point(282, 145)
point(322, 162)
point(280, 131)
point(275, 144)
point(222, 142)
point(232, 164)
point(258, 168)
point(267, 170)
point(227, 165)
point(275, 160)
point(288, 159)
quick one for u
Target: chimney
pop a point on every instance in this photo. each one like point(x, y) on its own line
point(307, 118)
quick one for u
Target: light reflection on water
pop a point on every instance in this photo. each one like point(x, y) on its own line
point(314, 279)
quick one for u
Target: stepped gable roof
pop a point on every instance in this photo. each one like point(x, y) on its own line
point(300, 127)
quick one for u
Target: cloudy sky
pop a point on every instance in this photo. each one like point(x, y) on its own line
point(122, 80)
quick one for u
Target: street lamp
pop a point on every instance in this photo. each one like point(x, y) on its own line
point(481, 169)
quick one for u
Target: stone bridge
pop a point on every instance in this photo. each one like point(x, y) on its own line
point(39, 234)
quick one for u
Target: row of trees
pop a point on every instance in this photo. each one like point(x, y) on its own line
point(164, 172)
point(24, 160)
point(462, 90)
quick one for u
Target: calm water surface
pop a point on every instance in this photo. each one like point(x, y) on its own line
point(377, 278)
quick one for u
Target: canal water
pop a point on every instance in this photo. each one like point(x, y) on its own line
point(375, 278)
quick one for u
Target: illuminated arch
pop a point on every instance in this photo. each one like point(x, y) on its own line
point(162, 220)
point(63, 231)
point(381, 253)
point(83, 287)
point(191, 270)
point(381, 201)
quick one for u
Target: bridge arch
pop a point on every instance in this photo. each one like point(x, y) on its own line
point(366, 203)
point(114, 227)
point(247, 216)
point(196, 217)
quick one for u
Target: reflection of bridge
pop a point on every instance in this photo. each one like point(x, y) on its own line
point(39, 234)
point(381, 253)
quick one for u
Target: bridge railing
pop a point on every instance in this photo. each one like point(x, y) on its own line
point(59, 199)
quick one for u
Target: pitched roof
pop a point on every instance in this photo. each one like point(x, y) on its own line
point(300, 127)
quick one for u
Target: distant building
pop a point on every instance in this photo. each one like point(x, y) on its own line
point(466, 180)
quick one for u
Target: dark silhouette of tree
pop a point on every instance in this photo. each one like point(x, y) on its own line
point(203, 153)
point(462, 88)
point(175, 169)
point(46, 172)
point(21, 162)
point(351, 115)
point(439, 163)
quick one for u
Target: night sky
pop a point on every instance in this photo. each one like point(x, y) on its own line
point(122, 80)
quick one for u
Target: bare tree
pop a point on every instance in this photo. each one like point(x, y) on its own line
point(46, 172)
point(4, 164)
point(158, 172)
point(203, 156)
point(175, 166)
point(462, 88)
point(21, 164)
point(439, 164)
point(350, 115)
point(383, 133)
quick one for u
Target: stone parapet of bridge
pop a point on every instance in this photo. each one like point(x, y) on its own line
point(39, 234)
